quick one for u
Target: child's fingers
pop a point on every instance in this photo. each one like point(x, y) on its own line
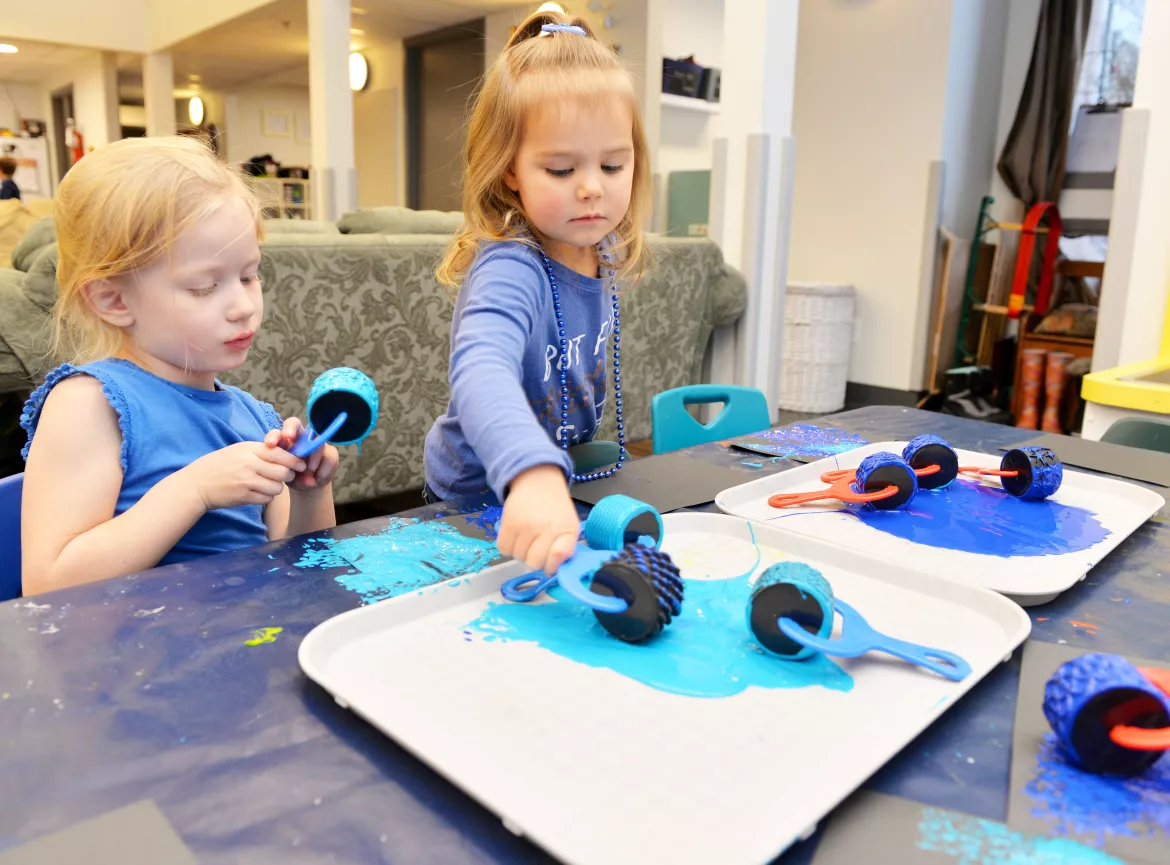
point(315, 458)
point(561, 551)
point(274, 438)
point(279, 456)
point(537, 556)
point(327, 469)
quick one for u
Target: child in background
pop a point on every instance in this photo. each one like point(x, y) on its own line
point(556, 189)
point(8, 187)
point(138, 456)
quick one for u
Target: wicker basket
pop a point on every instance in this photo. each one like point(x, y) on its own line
point(818, 336)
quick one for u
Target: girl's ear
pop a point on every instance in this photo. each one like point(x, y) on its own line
point(510, 179)
point(108, 300)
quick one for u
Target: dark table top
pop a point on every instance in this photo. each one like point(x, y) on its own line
point(161, 685)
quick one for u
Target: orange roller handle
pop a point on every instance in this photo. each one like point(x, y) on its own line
point(840, 489)
point(1139, 738)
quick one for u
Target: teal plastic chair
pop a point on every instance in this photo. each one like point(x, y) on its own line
point(10, 492)
point(745, 410)
point(1138, 432)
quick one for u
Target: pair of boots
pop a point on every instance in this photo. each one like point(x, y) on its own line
point(1047, 369)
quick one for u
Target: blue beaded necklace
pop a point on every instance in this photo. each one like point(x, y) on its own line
point(610, 278)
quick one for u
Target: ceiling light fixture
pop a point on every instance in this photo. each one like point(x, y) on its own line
point(195, 110)
point(551, 7)
point(5, 48)
point(359, 72)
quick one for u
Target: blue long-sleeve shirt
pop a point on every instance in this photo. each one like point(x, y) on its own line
point(503, 416)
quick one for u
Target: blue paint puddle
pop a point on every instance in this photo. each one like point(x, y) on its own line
point(974, 518)
point(707, 651)
point(972, 841)
point(805, 440)
point(406, 554)
point(1094, 807)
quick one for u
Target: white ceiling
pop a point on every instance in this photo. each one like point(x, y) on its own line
point(268, 46)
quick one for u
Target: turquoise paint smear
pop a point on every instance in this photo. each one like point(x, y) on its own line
point(1076, 802)
point(406, 554)
point(976, 518)
point(707, 651)
point(972, 841)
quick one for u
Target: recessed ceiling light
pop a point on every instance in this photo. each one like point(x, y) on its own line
point(551, 7)
point(5, 48)
point(356, 10)
point(359, 72)
point(195, 77)
point(356, 31)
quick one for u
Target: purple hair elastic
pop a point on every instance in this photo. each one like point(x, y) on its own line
point(563, 28)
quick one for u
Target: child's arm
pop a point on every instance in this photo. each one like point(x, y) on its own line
point(308, 504)
point(70, 535)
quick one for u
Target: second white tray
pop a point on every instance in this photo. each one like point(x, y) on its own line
point(972, 532)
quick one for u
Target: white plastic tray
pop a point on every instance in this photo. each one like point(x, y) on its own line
point(598, 768)
point(1118, 506)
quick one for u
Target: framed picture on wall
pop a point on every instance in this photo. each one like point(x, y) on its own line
point(276, 124)
point(304, 128)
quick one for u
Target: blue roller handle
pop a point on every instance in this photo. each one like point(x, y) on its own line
point(307, 441)
point(858, 638)
point(571, 577)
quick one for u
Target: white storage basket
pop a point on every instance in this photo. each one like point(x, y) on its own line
point(818, 336)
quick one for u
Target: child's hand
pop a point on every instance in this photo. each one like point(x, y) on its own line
point(246, 473)
point(540, 524)
point(321, 465)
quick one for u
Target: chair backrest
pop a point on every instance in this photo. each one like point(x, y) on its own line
point(745, 411)
point(1139, 432)
point(10, 492)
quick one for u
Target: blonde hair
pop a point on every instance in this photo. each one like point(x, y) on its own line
point(533, 69)
point(118, 210)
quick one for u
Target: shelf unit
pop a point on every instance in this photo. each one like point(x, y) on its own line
point(283, 197)
point(688, 103)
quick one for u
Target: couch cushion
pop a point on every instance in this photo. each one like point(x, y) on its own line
point(42, 233)
point(299, 226)
point(400, 220)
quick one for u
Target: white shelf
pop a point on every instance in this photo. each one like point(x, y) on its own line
point(687, 103)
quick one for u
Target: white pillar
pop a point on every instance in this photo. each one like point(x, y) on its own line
point(158, 86)
point(334, 178)
point(751, 190)
point(1137, 269)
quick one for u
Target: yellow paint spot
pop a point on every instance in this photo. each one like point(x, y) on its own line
point(263, 635)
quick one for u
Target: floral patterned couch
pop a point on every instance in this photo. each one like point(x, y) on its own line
point(350, 294)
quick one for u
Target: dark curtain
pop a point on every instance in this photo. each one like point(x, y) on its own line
point(1032, 162)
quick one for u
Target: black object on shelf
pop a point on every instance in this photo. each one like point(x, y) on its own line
point(682, 77)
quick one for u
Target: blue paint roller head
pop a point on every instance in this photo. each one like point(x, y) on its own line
point(348, 390)
point(795, 591)
point(931, 450)
point(650, 584)
point(1089, 695)
point(1039, 472)
point(884, 469)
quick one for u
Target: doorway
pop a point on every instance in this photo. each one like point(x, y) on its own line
point(443, 68)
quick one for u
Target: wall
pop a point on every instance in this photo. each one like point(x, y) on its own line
point(19, 100)
point(693, 27)
point(95, 98)
point(244, 123)
point(870, 102)
point(970, 127)
point(379, 128)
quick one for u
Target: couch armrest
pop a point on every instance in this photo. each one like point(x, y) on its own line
point(727, 299)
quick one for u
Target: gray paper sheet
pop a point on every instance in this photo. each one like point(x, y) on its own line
point(1133, 464)
point(138, 834)
point(667, 482)
point(1128, 818)
point(872, 827)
